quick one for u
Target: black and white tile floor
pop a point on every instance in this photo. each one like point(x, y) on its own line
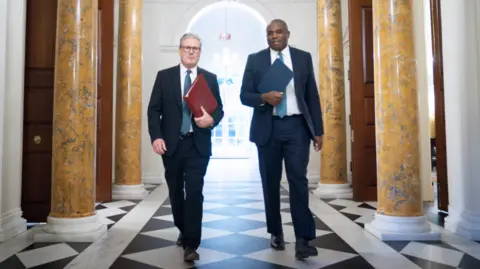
point(142, 236)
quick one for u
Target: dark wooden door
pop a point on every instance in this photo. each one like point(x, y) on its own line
point(440, 139)
point(38, 109)
point(362, 109)
point(105, 101)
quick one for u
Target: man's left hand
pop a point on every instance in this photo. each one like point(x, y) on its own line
point(205, 121)
point(318, 143)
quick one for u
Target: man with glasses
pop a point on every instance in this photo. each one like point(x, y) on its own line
point(184, 142)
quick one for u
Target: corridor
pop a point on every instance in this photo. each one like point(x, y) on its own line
point(142, 235)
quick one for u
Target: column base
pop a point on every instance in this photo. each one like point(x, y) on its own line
point(392, 228)
point(87, 229)
point(129, 192)
point(333, 191)
point(12, 224)
point(465, 224)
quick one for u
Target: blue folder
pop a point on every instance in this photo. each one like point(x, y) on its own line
point(277, 77)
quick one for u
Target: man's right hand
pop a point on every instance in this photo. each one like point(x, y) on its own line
point(159, 146)
point(273, 98)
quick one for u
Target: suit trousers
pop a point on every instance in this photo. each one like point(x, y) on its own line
point(290, 141)
point(184, 172)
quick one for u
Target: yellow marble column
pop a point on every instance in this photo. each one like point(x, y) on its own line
point(396, 110)
point(128, 175)
point(333, 160)
point(72, 216)
point(399, 213)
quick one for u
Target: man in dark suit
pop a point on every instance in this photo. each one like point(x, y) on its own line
point(183, 141)
point(283, 124)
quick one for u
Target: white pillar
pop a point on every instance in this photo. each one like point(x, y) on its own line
point(461, 68)
point(12, 46)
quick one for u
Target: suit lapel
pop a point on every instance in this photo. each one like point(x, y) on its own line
point(266, 60)
point(177, 86)
point(295, 64)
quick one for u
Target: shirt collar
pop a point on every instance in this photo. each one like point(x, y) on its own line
point(285, 52)
point(183, 70)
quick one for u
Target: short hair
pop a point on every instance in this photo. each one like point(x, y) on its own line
point(190, 35)
point(280, 21)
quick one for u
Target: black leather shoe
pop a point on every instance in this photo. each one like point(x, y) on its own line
point(277, 242)
point(303, 250)
point(180, 240)
point(190, 255)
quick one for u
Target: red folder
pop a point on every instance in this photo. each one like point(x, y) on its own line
point(200, 95)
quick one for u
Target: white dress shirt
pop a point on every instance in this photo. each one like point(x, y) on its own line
point(183, 74)
point(292, 105)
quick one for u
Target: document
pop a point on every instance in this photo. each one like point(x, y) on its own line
point(277, 77)
point(200, 95)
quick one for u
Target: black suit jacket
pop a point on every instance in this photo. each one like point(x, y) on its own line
point(306, 93)
point(165, 111)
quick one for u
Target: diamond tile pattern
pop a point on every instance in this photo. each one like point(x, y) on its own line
point(425, 254)
point(234, 236)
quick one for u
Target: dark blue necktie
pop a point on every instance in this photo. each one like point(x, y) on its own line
point(187, 116)
point(281, 108)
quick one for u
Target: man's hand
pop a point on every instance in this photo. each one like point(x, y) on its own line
point(205, 120)
point(159, 146)
point(318, 143)
point(274, 98)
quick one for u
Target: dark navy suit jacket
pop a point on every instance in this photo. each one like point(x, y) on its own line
point(306, 93)
point(165, 111)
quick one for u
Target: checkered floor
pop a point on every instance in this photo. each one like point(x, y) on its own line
point(142, 235)
point(426, 254)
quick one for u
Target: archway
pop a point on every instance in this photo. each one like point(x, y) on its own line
point(230, 31)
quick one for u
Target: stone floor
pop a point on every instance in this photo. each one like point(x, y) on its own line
point(142, 236)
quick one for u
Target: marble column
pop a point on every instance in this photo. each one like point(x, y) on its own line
point(461, 70)
point(128, 124)
point(331, 80)
point(399, 213)
point(72, 216)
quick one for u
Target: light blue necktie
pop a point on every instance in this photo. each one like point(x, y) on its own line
point(282, 107)
point(187, 116)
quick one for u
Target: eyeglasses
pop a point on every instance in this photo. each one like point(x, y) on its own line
point(188, 49)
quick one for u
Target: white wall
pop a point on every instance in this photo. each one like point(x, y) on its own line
point(12, 45)
point(420, 9)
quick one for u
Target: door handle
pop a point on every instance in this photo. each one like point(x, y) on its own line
point(37, 139)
